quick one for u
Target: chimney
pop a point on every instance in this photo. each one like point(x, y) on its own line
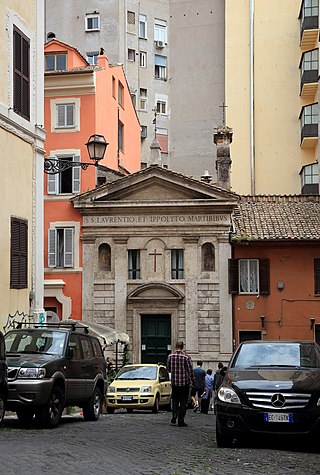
point(222, 137)
point(155, 155)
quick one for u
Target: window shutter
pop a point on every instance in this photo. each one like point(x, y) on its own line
point(317, 276)
point(52, 247)
point(68, 247)
point(70, 114)
point(21, 74)
point(233, 276)
point(264, 276)
point(76, 176)
point(52, 182)
point(60, 115)
point(19, 254)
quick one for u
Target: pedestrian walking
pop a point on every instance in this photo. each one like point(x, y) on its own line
point(218, 378)
point(205, 400)
point(180, 366)
point(200, 378)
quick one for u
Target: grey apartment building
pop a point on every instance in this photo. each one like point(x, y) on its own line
point(172, 52)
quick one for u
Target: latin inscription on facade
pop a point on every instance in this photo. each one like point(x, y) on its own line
point(147, 220)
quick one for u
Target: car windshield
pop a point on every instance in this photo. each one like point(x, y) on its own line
point(138, 372)
point(50, 342)
point(277, 354)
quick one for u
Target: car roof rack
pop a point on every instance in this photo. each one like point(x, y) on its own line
point(73, 326)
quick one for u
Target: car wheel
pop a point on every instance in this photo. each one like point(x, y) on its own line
point(110, 410)
point(91, 410)
point(155, 408)
point(129, 410)
point(222, 439)
point(25, 416)
point(49, 415)
point(2, 409)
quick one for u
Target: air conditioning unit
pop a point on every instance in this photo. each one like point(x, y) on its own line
point(160, 44)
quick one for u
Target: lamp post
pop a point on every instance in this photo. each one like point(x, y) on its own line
point(96, 147)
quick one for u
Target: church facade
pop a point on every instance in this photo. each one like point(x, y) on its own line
point(155, 263)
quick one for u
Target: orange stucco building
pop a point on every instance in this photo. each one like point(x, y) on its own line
point(274, 274)
point(80, 100)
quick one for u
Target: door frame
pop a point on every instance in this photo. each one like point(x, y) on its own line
point(159, 310)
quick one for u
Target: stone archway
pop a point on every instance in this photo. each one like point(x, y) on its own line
point(153, 299)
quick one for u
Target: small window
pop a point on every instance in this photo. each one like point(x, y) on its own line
point(56, 62)
point(246, 335)
point(160, 64)
point(21, 74)
point(160, 30)
point(309, 176)
point(309, 114)
point(208, 257)
point(92, 57)
point(143, 59)
point(65, 115)
point(131, 18)
point(177, 264)
point(249, 276)
point(92, 22)
point(68, 180)
point(143, 99)
point(120, 135)
point(133, 264)
point(120, 93)
point(161, 107)
point(317, 276)
point(60, 247)
point(131, 55)
point(105, 257)
point(19, 254)
point(143, 26)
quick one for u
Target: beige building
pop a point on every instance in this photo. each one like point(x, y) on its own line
point(272, 95)
point(21, 140)
point(155, 263)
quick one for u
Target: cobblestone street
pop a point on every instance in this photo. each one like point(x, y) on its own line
point(141, 443)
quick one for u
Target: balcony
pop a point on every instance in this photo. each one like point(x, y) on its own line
point(309, 83)
point(309, 136)
point(309, 25)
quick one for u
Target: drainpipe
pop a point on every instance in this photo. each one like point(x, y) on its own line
point(252, 150)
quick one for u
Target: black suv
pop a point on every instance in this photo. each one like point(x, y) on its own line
point(51, 367)
point(3, 378)
point(271, 387)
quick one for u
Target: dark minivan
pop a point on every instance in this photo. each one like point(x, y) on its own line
point(3, 378)
point(270, 388)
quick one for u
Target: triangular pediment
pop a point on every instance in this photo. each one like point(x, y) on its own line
point(154, 184)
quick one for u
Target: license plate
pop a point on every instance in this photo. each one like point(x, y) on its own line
point(277, 417)
point(126, 398)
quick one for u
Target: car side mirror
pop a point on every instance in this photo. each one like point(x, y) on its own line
point(70, 353)
point(162, 379)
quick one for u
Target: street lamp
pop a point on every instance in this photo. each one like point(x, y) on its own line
point(96, 146)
